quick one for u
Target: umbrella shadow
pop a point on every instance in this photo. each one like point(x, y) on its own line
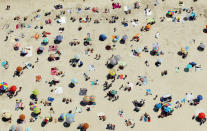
point(186, 69)
point(19, 121)
point(110, 66)
point(66, 124)
point(57, 41)
point(168, 16)
point(152, 53)
point(71, 85)
point(60, 120)
point(82, 103)
point(204, 30)
point(122, 41)
point(179, 53)
point(33, 97)
point(43, 124)
point(200, 49)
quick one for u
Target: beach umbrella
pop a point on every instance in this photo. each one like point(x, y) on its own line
point(36, 110)
point(117, 57)
point(88, 39)
point(112, 72)
point(33, 106)
point(122, 63)
point(201, 115)
point(113, 92)
point(125, 37)
point(3, 63)
point(86, 98)
point(3, 86)
point(200, 97)
point(189, 66)
point(19, 128)
point(150, 20)
point(13, 128)
point(62, 116)
point(85, 126)
point(69, 117)
point(102, 37)
point(13, 88)
point(167, 109)
point(92, 98)
point(77, 56)
point(113, 61)
point(74, 81)
point(203, 46)
point(36, 92)
point(159, 60)
point(6, 115)
point(28, 129)
point(36, 36)
point(22, 117)
point(19, 68)
point(59, 37)
point(158, 106)
point(45, 40)
point(138, 50)
point(187, 48)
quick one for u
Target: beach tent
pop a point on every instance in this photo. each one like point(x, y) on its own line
point(102, 37)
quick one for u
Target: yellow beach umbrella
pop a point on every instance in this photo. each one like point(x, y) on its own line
point(112, 72)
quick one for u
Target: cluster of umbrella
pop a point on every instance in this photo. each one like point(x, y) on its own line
point(88, 99)
point(4, 87)
point(68, 117)
point(165, 105)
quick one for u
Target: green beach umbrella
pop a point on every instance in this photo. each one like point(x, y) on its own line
point(35, 92)
point(113, 92)
point(36, 110)
point(45, 40)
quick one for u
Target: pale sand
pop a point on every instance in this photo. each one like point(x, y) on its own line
point(173, 36)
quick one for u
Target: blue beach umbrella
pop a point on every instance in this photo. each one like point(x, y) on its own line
point(200, 97)
point(102, 37)
point(189, 66)
point(158, 106)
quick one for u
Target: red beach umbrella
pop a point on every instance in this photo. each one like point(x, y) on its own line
point(13, 88)
point(201, 115)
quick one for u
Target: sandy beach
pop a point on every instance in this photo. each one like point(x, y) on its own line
point(162, 70)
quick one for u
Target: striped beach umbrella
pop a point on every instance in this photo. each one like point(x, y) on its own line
point(86, 98)
point(3, 86)
point(92, 98)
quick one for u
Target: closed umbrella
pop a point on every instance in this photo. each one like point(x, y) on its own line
point(200, 97)
point(22, 117)
point(85, 126)
point(201, 115)
point(36, 110)
point(36, 92)
point(86, 98)
point(3, 86)
point(13, 88)
point(92, 98)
